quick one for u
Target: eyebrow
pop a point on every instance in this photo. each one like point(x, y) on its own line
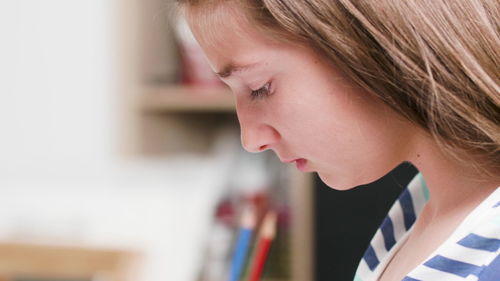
point(231, 68)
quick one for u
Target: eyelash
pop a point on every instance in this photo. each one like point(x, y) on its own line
point(262, 92)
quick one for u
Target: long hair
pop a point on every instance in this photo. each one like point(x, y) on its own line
point(435, 62)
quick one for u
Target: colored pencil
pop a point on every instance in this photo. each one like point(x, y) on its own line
point(266, 236)
point(242, 246)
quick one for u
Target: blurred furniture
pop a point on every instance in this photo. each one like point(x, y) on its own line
point(49, 262)
point(162, 118)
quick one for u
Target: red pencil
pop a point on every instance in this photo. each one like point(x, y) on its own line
point(266, 236)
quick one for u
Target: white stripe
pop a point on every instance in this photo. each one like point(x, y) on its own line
point(482, 214)
point(415, 188)
point(467, 255)
point(364, 271)
point(471, 278)
point(425, 273)
point(379, 245)
point(396, 215)
point(487, 227)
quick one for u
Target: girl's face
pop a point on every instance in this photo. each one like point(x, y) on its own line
point(292, 101)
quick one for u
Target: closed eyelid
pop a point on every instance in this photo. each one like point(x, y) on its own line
point(262, 92)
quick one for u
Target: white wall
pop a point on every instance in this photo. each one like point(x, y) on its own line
point(56, 78)
point(59, 180)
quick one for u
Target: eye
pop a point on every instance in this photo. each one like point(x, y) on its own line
point(262, 92)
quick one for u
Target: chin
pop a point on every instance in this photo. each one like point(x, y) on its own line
point(337, 183)
point(346, 182)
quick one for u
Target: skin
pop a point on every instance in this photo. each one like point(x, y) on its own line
point(312, 111)
point(349, 137)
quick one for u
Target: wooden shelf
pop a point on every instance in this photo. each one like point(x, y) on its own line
point(187, 99)
point(164, 120)
point(65, 262)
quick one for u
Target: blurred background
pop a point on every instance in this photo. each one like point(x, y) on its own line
point(119, 149)
point(120, 158)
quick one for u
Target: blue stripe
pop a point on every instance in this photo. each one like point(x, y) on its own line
point(407, 207)
point(388, 232)
point(371, 258)
point(409, 279)
point(497, 204)
point(492, 271)
point(475, 241)
point(459, 268)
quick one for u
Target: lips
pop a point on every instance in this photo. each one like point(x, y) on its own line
point(299, 162)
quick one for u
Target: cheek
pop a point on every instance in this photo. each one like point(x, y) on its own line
point(300, 121)
point(350, 141)
point(360, 155)
point(318, 120)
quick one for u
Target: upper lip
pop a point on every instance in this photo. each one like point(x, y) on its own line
point(290, 160)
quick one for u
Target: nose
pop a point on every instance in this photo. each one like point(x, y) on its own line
point(256, 135)
point(258, 138)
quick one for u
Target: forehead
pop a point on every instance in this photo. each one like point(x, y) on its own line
point(227, 36)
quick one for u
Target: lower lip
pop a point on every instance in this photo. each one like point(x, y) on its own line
point(301, 164)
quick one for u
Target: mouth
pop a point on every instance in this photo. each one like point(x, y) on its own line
point(301, 163)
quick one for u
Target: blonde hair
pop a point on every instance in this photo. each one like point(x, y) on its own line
point(435, 62)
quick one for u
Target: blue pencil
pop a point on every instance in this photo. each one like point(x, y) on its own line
point(242, 245)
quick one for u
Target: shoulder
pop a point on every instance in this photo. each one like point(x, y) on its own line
point(472, 252)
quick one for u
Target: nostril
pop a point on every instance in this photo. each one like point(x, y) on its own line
point(258, 138)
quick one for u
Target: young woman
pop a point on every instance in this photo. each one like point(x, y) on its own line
point(351, 88)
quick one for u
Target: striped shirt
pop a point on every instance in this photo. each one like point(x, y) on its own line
point(470, 253)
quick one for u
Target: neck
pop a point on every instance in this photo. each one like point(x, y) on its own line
point(453, 186)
